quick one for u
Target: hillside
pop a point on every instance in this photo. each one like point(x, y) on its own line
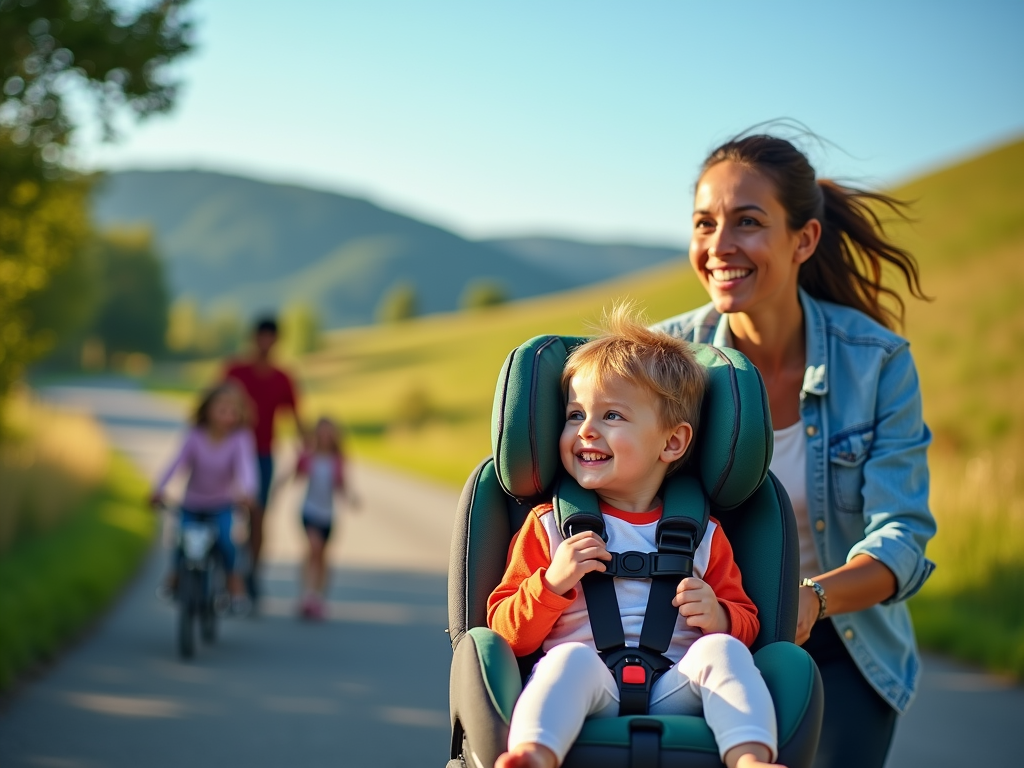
point(571, 258)
point(259, 246)
point(419, 396)
point(966, 341)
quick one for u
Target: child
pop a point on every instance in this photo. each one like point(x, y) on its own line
point(219, 455)
point(633, 402)
point(325, 472)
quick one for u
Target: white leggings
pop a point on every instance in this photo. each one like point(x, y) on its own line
point(717, 675)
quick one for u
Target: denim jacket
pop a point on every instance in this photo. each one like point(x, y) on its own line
point(867, 471)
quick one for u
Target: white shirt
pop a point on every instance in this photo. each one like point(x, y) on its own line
point(789, 463)
point(319, 504)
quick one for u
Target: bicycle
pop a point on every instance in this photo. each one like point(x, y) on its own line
point(201, 589)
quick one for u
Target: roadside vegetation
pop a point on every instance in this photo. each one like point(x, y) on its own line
point(72, 529)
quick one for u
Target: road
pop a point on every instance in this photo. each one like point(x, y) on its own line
point(367, 687)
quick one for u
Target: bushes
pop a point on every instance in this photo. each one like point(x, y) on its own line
point(53, 584)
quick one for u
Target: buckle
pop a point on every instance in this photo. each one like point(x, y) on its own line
point(634, 674)
point(646, 565)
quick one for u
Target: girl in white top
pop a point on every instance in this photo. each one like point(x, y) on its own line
point(322, 465)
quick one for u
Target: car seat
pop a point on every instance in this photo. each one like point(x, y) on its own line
point(729, 463)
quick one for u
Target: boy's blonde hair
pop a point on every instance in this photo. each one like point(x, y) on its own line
point(661, 364)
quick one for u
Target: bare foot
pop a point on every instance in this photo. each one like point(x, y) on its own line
point(528, 756)
point(750, 761)
point(750, 755)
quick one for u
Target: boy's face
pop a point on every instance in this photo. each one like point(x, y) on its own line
point(614, 442)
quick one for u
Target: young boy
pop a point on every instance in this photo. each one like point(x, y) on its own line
point(633, 402)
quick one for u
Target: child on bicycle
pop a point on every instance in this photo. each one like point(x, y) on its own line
point(322, 465)
point(218, 454)
point(633, 403)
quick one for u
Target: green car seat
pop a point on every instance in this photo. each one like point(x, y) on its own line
point(728, 469)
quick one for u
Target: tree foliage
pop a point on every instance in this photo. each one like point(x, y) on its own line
point(300, 329)
point(480, 294)
point(132, 313)
point(398, 303)
point(50, 50)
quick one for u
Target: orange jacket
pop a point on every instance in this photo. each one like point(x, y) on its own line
point(530, 616)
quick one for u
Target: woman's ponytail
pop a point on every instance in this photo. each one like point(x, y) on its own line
point(849, 264)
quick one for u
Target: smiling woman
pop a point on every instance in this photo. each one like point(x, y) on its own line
point(795, 269)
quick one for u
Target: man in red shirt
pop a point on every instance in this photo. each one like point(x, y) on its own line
point(269, 389)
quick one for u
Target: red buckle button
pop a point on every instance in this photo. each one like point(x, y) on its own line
point(634, 674)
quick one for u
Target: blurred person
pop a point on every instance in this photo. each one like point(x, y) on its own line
point(219, 455)
point(269, 389)
point(794, 266)
point(321, 463)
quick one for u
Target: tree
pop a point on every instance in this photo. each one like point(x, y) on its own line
point(50, 50)
point(398, 303)
point(480, 294)
point(133, 311)
point(300, 329)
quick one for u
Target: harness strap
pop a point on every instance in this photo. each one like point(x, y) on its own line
point(680, 530)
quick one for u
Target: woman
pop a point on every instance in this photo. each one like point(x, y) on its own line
point(794, 268)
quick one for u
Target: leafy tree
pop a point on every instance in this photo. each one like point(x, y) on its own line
point(50, 49)
point(398, 303)
point(132, 315)
point(300, 329)
point(480, 294)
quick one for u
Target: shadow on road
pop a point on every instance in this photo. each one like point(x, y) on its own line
point(368, 686)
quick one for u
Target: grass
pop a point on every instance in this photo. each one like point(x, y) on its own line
point(49, 462)
point(973, 604)
point(417, 395)
point(53, 584)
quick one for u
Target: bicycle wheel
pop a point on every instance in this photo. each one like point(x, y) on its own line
point(208, 620)
point(188, 601)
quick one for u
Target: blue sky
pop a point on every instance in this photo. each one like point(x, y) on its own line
point(586, 119)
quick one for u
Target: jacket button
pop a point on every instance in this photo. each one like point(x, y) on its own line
point(848, 634)
point(819, 525)
point(811, 430)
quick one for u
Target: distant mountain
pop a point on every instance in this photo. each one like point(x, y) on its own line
point(578, 260)
point(261, 246)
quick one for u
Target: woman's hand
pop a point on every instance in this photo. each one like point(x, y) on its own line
point(698, 604)
point(156, 500)
point(806, 614)
point(576, 556)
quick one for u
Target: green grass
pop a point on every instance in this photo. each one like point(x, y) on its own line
point(973, 605)
point(52, 585)
point(418, 395)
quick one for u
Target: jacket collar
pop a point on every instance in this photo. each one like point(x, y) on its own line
point(816, 375)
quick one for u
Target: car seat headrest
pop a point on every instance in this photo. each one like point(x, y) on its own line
point(734, 439)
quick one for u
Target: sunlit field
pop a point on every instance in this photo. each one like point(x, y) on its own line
point(417, 395)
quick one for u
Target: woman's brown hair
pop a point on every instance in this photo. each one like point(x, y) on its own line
point(849, 263)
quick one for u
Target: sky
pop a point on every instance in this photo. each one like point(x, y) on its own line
point(564, 117)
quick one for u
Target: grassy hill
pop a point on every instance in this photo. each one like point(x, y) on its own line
point(258, 246)
point(418, 396)
point(967, 233)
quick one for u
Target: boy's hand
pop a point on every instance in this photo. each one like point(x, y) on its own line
point(698, 605)
point(578, 555)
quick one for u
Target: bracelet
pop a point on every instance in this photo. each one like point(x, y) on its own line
point(820, 592)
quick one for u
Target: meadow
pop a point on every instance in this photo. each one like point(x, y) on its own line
point(417, 395)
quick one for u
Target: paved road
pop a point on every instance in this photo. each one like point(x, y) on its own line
point(368, 687)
